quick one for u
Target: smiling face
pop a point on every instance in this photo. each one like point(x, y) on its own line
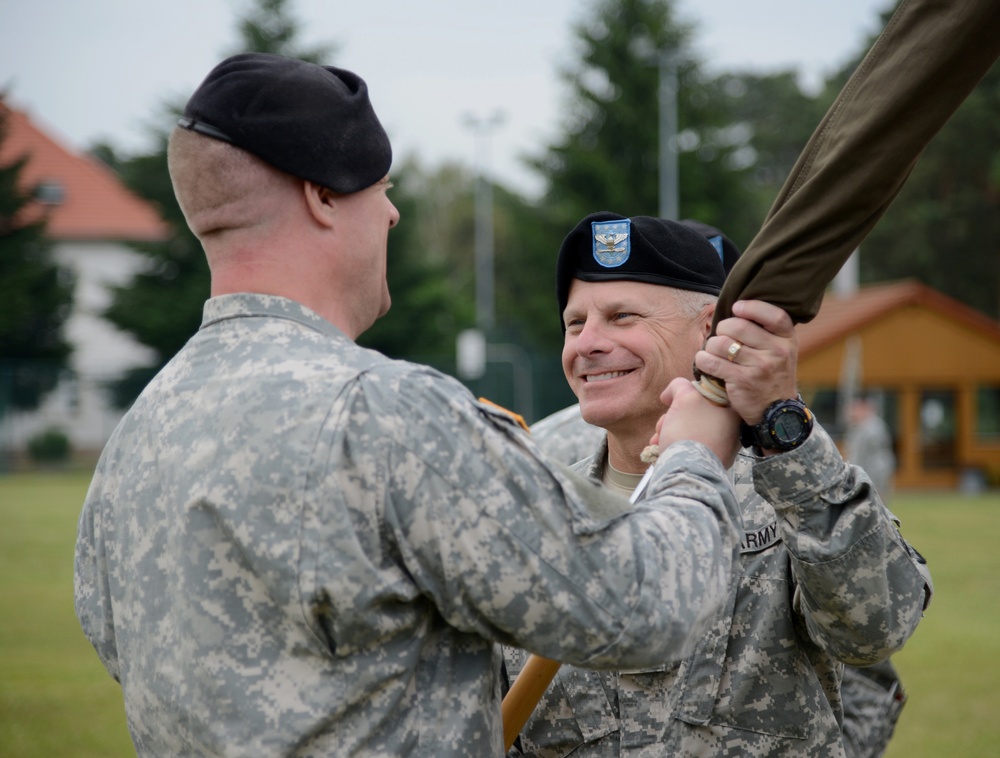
point(625, 341)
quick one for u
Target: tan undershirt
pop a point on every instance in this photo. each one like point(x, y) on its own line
point(619, 481)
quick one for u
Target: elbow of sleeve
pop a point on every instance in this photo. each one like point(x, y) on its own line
point(884, 634)
point(864, 628)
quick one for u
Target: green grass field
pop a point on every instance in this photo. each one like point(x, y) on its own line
point(57, 700)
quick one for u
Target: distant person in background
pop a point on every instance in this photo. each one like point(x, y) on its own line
point(869, 444)
point(873, 696)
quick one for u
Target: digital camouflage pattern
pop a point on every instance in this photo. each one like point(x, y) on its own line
point(826, 578)
point(295, 546)
point(565, 436)
point(873, 699)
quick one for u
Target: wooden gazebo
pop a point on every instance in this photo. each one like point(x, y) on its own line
point(934, 362)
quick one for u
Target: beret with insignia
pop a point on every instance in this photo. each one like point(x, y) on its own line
point(606, 246)
point(313, 122)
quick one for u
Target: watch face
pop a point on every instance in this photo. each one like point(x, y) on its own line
point(788, 427)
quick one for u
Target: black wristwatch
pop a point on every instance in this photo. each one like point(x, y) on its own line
point(786, 425)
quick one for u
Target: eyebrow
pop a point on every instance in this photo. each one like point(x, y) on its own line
point(619, 305)
point(608, 307)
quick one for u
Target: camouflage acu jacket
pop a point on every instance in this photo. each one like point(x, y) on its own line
point(296, 546)
point(825, 578)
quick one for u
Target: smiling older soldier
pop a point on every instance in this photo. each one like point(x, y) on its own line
point(825, 579)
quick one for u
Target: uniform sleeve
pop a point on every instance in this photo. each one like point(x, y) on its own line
point(860, 586)
point(92, 596)
point(522, 551)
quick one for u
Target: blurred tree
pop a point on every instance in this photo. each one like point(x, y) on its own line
point(161, 306)
point(527, 242)
point(269, 27)
point(37, 294)
point(780, 117)
point(608, 156)
point(441, 223)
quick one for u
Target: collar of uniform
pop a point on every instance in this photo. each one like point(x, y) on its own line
point(252, 304)
point(593, 467)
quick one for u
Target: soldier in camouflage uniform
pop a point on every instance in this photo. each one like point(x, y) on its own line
point(872, 696)
point(295, 546)
point(826, 578)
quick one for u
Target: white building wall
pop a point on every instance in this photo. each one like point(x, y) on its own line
point(79, 405)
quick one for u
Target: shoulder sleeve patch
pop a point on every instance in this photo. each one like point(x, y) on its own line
point(518, 418)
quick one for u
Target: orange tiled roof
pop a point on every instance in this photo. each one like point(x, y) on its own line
point(840, 316)
point(95, 205)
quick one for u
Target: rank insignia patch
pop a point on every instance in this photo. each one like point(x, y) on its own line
point(612, 243)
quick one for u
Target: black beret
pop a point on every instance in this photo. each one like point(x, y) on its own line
point(606, 246)
point(314, 122)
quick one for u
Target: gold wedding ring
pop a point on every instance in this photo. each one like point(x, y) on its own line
point(733, 351)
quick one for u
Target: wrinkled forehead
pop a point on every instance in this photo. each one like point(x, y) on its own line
point(618, 293)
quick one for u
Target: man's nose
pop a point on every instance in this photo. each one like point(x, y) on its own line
point(593, 338)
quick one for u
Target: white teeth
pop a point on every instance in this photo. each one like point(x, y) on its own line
point(603, 377)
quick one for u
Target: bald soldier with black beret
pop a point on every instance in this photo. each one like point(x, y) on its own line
point(825, 576)
point(295, 546)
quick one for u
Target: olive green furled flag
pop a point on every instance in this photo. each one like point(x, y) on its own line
point(929, 57)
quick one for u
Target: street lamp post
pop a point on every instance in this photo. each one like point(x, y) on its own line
point(643, 48)
point(485, 308)
point(669, 198)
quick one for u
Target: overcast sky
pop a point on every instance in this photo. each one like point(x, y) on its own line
point(92, 70)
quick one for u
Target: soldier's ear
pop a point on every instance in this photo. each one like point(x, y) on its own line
point(320, 201)
point(707, 314)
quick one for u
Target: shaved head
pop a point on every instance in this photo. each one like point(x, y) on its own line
point(221, 188)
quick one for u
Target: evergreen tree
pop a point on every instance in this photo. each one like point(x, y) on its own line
point(608, 157)
point(36, 293)
point(269, 27)
point(161, 306)
point(779, 118)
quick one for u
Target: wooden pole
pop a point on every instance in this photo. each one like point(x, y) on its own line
point(524, 694)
